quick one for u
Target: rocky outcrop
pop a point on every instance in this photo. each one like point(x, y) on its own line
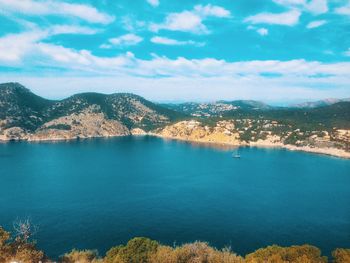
point(223, 132)
point(86, 124)
point(138, 132)
point(13, 134)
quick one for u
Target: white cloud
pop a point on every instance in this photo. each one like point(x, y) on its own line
point(153, 3)
point(289, 3)
point(188, 89)
point(210, 10)
point(263, 31)
point(178, 78)
point(83, 59)
point(289, 18)
point(315, 7)
point(186, 21)
point(174, 42)
point(105, 46)
point(191, 21)
point(131, 24)
point(208, 67)
point(344, 10)
point(68, 29)
point(14, 47)
point(347, 53)
point(51, 7)
point(125, 40)
point(315, 24)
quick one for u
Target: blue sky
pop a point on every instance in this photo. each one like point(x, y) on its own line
point(278, 51)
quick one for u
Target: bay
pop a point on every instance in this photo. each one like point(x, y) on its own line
point(94, 194)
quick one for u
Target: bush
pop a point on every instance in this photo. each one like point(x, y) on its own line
point(341, 255)
point(276, 254)
point(137, 250)
point(19, 250)
point(4, 247)
point(60, 126)
point(85, 256)
point(164, 254)
point(200, 252)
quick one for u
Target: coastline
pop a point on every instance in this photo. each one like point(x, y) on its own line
point(339, 153)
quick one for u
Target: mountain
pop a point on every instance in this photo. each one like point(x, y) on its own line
point(216, 108)
point(319, 103)
point(24, 115)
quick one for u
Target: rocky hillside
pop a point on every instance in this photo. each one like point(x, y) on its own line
point(21, 108)
point(24, 115)
point(323, 129)
point(216, 108)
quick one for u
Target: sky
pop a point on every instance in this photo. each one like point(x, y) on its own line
point(277, 51)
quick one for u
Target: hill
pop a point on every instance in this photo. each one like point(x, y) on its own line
point(218, 108)
point(24, 115)
point(319, 103)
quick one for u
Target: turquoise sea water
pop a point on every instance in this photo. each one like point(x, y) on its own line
point(100, 193)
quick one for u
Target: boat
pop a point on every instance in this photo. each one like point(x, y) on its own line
point(236, 155)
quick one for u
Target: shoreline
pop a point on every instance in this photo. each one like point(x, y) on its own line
point(339, 153)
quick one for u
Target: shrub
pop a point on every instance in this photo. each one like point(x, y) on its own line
point(84, 256)
point(60, 126)
point(19, 249)
point(4, 247)
point(277, 254)
point(200, 252)
point(341, 255)
point(137, 250)
point(164, 254)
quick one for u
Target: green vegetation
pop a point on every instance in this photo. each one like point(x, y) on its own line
point(64, 127)
point(21, 248)
point(300, 254)
point(137, 250)
point(341, 255)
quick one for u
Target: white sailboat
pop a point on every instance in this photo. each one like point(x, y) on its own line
point(236, 155)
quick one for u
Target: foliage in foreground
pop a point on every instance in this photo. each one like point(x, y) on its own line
point(144, 250)
point(19, 248)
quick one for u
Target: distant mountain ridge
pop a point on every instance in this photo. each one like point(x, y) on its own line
point(319, 103)
point(216, 108)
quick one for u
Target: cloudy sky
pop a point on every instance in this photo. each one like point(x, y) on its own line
point(278, 51)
